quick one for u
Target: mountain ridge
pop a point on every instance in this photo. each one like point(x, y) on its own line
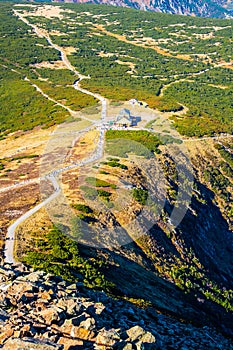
point(181, 270)
point(213, 8)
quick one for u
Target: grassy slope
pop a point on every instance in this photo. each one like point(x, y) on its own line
point(200, 277)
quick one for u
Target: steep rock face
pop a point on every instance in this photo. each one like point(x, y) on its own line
point(214, 8)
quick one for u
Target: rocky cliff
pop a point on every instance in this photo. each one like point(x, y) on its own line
point(42, 311)
point(214, 8)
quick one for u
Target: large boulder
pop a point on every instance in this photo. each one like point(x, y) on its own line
point(70, 344)
point(135, 333)
point(89, 323)
point(84, 320)
point(71, 306)
point(6, 333)
point(142, 339)
point(76, 332)
point(51, 315)
point(35, 276)
point(107, 338)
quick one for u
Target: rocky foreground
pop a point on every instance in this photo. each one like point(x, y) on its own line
point(42, 311)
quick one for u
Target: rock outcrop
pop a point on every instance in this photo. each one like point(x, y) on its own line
point(213, 8)
point(43, 312)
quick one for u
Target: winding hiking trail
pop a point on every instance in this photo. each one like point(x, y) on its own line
point(188, 75)
point(10, 237)
point(97, 154)
point(71, 111)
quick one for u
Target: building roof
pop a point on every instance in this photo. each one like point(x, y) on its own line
point(124, 120)
point(124, 113)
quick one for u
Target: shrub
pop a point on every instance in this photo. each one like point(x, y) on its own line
point(140, 195)
point(82, 207)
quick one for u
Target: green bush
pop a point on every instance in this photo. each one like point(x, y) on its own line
point(82, 207)
point(104, 194)
point(143, 143)
point(60, 255)
point(99, 183)
point(140, 195)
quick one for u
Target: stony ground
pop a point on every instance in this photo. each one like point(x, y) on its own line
point(42, 311)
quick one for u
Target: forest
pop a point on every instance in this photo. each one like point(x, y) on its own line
point(169, 61)
point(21, 106)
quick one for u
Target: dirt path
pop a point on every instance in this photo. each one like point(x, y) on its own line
point(190, 75)
point(52, 177)
point(10, 238)
point(153, 47)
point(72, 112)
point(166, 86)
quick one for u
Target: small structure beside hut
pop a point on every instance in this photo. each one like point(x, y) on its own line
point(135, 102)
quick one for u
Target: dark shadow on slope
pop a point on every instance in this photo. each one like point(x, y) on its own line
point(134, 275)
point(209, 236)
point(135, 281)
point(162, 242)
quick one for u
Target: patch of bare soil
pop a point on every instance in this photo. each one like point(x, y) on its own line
point(47, 11)
point(147, 43)
point(15, 203)
point(28, 142)
point(14, 152)
point(19, 170)
point(82, 149)
point(228, 65)
point(69, 50)
point(57, 33)
point(51, 65)
point(219, 86)
point(205, 36)
point(84, 146)
point(107, 54)
point(70, 186)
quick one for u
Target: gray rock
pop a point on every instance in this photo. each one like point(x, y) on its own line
point(33, 277)
point(135, 333)
point(30, 344)
point(89, 323)
point(127, 346)
point(72, 287)
point(52, 315)
point(130, 311)
point(53, 319)
point(71, 305)
point(99, 308)
point(76, 321)
point(107, 338)
point(146, 346)
point(148, 338)
point(3, 315)
point(142, 339)
point(6, 274)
